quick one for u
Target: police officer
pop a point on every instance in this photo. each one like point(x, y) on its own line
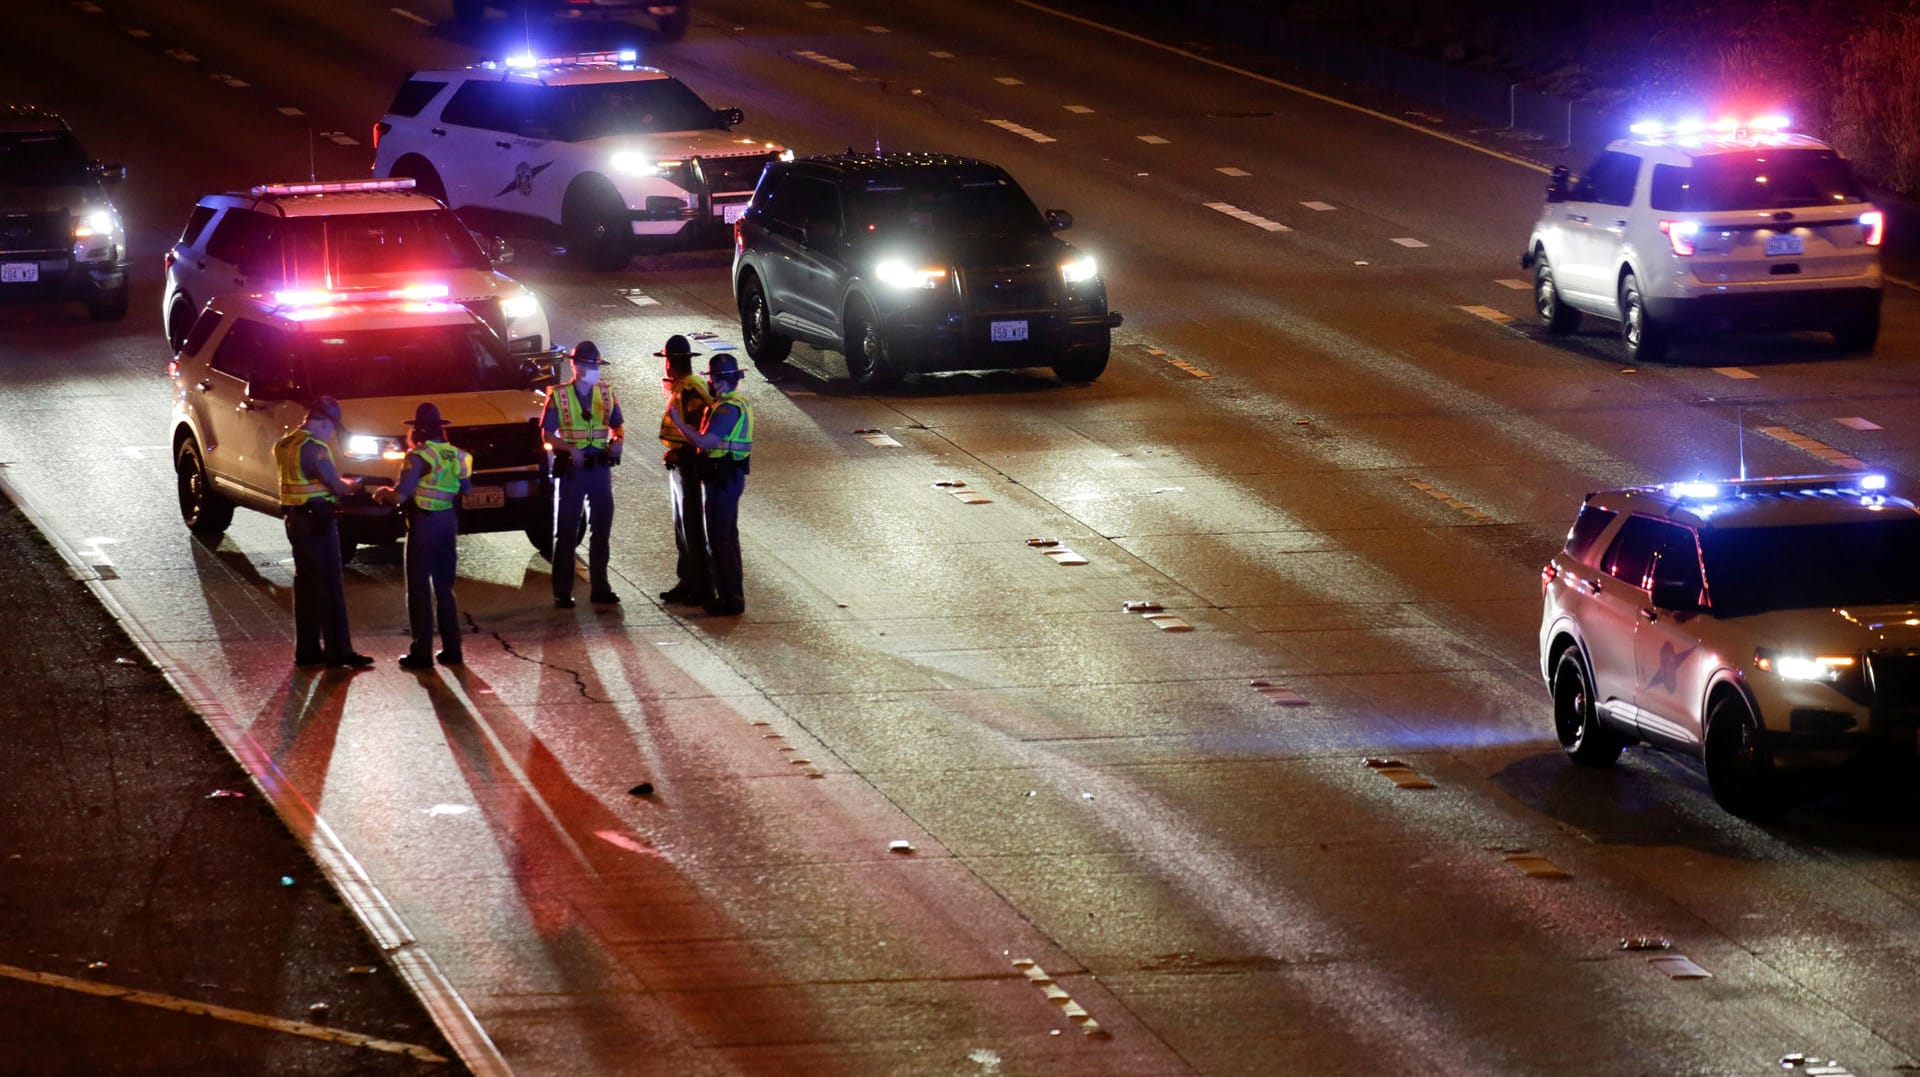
point(725, 441)
point(432, 480)
point(310, 489)
point(687, 396)
point(583, 424)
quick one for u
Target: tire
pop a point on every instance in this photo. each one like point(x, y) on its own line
point(765, 346)
point(1644, 340)
point(1576, 720)
point(426, 178)
point(111, 307)
point(1739, 763)
point(1084, 365)
point(1558, 318)
point(866, 349)
point(206, 512)
point(595, 225)
point(1858, 333)
point(179, 322)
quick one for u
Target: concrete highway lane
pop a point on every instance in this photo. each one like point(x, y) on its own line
point(1329, 445)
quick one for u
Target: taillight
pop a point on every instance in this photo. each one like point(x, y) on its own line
point(1874, 225)
point(1680, 234)
point(169, 259)
point(739, 241)
point(380, 127)
point(1548, 574)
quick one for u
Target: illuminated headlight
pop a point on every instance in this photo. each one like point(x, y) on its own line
point(368, 447)
point(97, 222)
point(519, 306)
point(1793, 667)
point(786, 155)
point(1079, 270)
point(634, 163)
point(895, 273)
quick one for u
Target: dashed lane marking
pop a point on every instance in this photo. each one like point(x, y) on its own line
point(1516, 285)
point(1279, 694)
point(1180, 363)
point(220, 1013)
point(1806, 444)
point(962, 493)
point(1858, 423)
point(637, 297)
point(1081, 110)
point(1533, 865)
point(229, 80)
point(1009, 80)
point(410, 16)
point(940, 55)
point(818, 5)
point(134, 31)
point(823, 59)
point(1231, 171)
point(1679, 967)
point(1023, 132)
point(1450, 501)
point(1074, 1012)
point(1398, 773)
point(340, 138)
point(91, 9)
point(878, 439)
point(1408, 241)
point(876, 30)
point(1152, 140)
point(1490, 314)
point(289, 110)
point(1735, 373)
point(1319, 207)
point(1251, 218)
point(181, 55)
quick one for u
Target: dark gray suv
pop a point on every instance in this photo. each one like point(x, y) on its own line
point(909, 262)
point(60, 235)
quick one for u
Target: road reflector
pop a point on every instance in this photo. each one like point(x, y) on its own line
point(1063, 556)
point(1167, 622)
point(1679, 967)
point(1398, 773)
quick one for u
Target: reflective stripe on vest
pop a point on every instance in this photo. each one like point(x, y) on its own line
point(670, 435)
point(447, 466)
point(578, 431)
point(736, 444)
point(296, 486)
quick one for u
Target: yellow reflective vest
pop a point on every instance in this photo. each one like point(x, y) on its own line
point(296, 486)
point(447, 467)
point(670, 436)
point(578, 429)
point(737, 443)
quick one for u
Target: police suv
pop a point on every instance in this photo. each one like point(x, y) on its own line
point(1740, 224)
point(343, 235)
point(60, 237)
point(595, 147)
point(251, 363)
point(1753, 624)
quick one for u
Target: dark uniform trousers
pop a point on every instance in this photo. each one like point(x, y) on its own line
point(689, 525)
point(592, 488)
point(431, 546)
point(722, 489)
point(319, 595)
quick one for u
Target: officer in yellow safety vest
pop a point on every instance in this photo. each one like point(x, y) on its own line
point(432, 482)
point(583, 425)
point(688, 397)
point(310, 489)
point(725, 441)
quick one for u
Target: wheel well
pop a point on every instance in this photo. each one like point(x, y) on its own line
point(181, 435)
point(587, 184)
point(1718, 694)
point(739, 285)
point(1561, 644)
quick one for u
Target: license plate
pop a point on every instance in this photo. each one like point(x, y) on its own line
point(1005, 331)
point(1785, 245)
point(19, 272)
point(732, 211)
point(485, 497)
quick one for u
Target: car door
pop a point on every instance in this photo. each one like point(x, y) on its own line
point(1614, 600)
point(242, 255)
point(253, 376)
point(1592, 228)
point(1671, 663)
point(471, 145)
point(811, 266)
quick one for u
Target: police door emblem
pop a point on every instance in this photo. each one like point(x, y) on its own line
point(523, 174)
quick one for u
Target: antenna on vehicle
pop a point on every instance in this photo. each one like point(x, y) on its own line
point(1740, 435)
point(313, 172)
point(526, 27)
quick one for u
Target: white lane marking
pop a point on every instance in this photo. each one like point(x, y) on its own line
point(1319, 207)
point(1180, 363)
point(1152, 140)
point(1231, 171)
point(821, 58)
point(637, 297)
point(91, 9)
point(877, 30)
point(1023, 132)
point(1807, 445)
point(1008, 80)
point(1490, 314)
point(410, 16)
point(879, 439)
point(939, 55)
point(1858, 423)
point(1079, 109)
point(817, 5)
point(1254, 219)
point(182, 55)
point(1735, 373)
point(289, 110)
point(1516, 285)
point(1679, 967)
point(1408, 241)
point(134, 31)
point(236, 83)
point(340, 138)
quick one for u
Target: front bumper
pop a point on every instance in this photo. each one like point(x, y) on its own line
point(1766, 311)
point(921, 340)
point(58, 276)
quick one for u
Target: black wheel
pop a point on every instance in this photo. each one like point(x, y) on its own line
point(1576, 719)
point(1739, 763)
point(766, 347)
point(596, 225)
point(1858, 333)
point(1083, 365)
point(866, 349)
point(204, 510)
point(1557, 317)
point(1645, 341)
point(179, 321)
point(111, 307)
point(426, 178)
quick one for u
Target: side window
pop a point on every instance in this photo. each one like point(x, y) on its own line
point(1586, 531)
point(203, 327)
point(1609, 181)
point(413, 96)
point(512, 107)
point(1642, 543)
point(1676, 560)
point(240, 350)
point(196, 224)
point(248, 240)
point(815, 207)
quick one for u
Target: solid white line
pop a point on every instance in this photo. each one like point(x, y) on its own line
point(410, 16)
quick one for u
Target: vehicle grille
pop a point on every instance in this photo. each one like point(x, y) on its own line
point(1896, 679)
point(988, 290)
point(499, 445)
point(733, 175)
point(25, 232)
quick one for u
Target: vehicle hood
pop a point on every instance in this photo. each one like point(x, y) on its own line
point(50, 199)
point(387, 416)
point(1835, 631)
point(1041, 249)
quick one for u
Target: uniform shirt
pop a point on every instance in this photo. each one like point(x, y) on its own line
point(691, 398)
point(550, 417)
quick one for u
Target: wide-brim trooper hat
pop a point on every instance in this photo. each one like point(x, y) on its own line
point(677, 347)
point(324, 407)
point(426, 419)
point(724, 366)
point(587, 352)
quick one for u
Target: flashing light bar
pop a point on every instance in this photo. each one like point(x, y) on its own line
point(1702, 491)
point(1771, 124)
point(320, 297)
point(522, 61)
point(1699, 490)
point(335, 187)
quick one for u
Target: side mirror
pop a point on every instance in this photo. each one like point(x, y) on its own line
point(1677, 596)
point(499, 250)
point(542, 370)
point(1557, 184)
point(1059, 220)
point(107, 173)
point(727, 119)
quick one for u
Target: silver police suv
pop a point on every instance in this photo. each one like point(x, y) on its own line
point(1755, 624)
point(1733, 225)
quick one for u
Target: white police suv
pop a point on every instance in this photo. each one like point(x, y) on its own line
point(1755, 624)
point(1738, 224)
point(596, 147)
point(340, 235)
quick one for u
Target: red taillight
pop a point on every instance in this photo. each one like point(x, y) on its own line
point(173, 368)
point(1874, 226)
point(1548, 574)
point(1680, 234)
point(168, 259)
point(380, 127)
point(739, 241)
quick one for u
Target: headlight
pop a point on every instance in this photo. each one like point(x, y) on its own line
point(635, 163)
point(1079, 270)
point(368, 446)
point(895, 273)
point(519, 306)
point(1800, 667)
point(97, 222)
point(787, 155)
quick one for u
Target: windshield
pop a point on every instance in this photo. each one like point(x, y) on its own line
point(983, 201)
point(1757, 179)
point(1756, 569)
point(599, 109)
point(419, 361)
point(41, 159)
point(323, 248)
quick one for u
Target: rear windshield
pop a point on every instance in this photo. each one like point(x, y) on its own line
point(596, 110)
point(42, 159)
point(982, 202)
point(1756, 569)
point(419, 241)
point(1756, 179)
point(416, 361)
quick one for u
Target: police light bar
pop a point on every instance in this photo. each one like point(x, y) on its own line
point(338, 187)
point(522, 61)
point(321, 297)
point(1693, 127)
point(1696, 490)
